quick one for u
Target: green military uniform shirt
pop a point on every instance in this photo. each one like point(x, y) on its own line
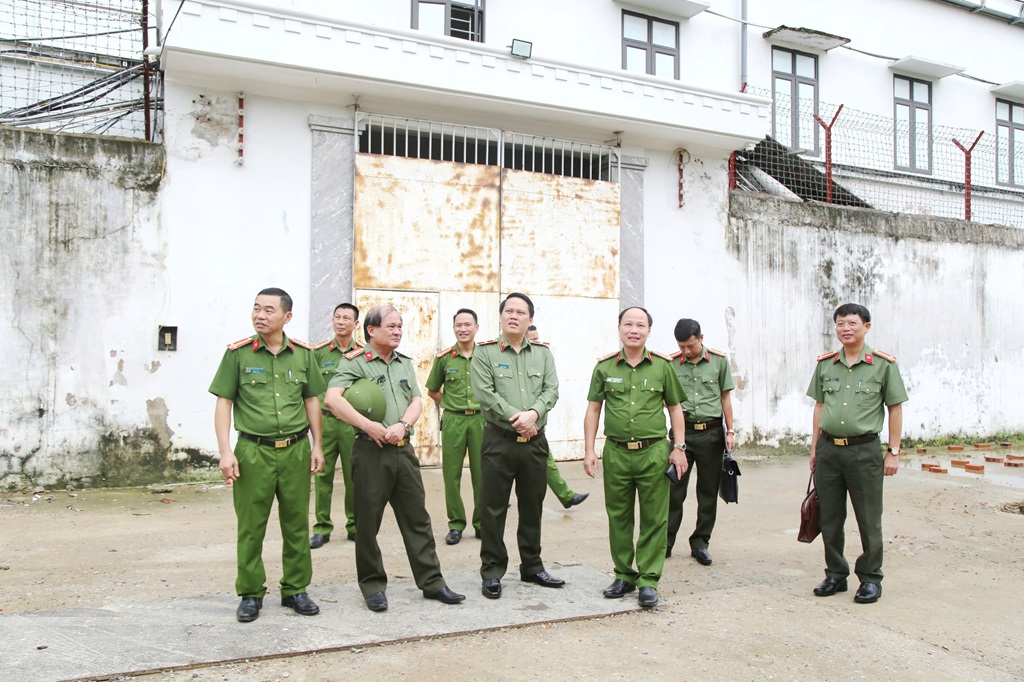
point(505, 382)
point(635, 397)
point(267, 390)
point(329, 355)
point(704, 382)
point(854, 395)
point(397, 379)
point(451, 369)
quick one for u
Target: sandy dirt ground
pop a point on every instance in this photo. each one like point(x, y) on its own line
point(950, 610)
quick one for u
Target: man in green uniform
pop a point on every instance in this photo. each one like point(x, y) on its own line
point(516, 385)
point(849, 388)
point(337, 434)
point(559, 487)
point(635, 386)
point(705, 376)
point(384, 465)
point(463, 425)
point(270, 383)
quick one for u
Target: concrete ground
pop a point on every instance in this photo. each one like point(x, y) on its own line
point(94, 583)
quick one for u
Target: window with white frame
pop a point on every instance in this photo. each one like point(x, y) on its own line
point(913, 110)
point(650, 45)
point(456, 18)
point(1009, 143)
point(795, 99)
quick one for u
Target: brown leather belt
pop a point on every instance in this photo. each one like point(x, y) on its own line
point(272, 442)
point(400, 444)
point(850, 440)
point(704, 426)
point(636, 444)
point(511, 435)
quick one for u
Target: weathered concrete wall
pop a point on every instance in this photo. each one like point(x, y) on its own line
point(945, 297)
point(81, 291)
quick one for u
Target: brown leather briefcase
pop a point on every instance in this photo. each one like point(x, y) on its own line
point(810, 524)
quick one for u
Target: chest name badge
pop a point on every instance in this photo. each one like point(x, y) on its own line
point(614, 380)
point(502, 365)
point(452, 370)
point(254, 370)
point(328, 364)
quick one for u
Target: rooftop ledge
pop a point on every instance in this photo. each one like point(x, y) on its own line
point(237, 45)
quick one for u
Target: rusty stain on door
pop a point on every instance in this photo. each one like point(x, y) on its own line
point(416, 219)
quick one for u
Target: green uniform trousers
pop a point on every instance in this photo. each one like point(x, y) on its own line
point(857, 470)
point(265, 472)
point(629, 475)
point(704, 452)
point(557, 484)
point(502, 462)
point(461, 433)
point(337, 441)
point(391, 475)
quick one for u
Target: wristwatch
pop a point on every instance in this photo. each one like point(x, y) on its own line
point(407, 425)
point(893, 451)
point(680, 446)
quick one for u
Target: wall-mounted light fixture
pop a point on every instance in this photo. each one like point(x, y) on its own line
point(521, 48)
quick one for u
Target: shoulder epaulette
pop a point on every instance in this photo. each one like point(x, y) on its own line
point(887, 356)
point(608, 357)
point(676, 355)
point(826, 356)
point(352, 354)
point(543, 343)
point(661, 355)
point(301, 344)
point(403, 355)
point(447, 351)
point(488, 342)
point(322, 344)
point(238, 344)
point(718, 352)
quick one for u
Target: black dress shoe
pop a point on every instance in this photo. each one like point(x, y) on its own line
point(544, 579)
point(249, 609)
point(301, 604)
point(702, 556)
point(618, 588)
point(446, 596)
point(377, 602)
point(577, 498)
point(318, 541)
point(491, 588)
point(351, 537)
point(868, 593)
point(476, 532)
point(829, 586)
point(648, 597)
point(668, 552)
point(453, 537)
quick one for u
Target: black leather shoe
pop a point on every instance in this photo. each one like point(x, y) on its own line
point(476, 533)
point(351, 537)
point(491, 588)
point(377, 602)
point(829, 586)
point(618, 589)
point(577, 498)
point(446, 596)
point(702, 556)
point(301, 604)
point(868, 593)
point(648, 597)
point(544, 579)
point(453, 537)
point(668, 552)
point(318, 541)
point(249, 609)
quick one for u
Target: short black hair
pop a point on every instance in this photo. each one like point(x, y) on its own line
point(650, 320)
point(376, 315)
point(468, 311)
point(516, 294)
point(286, 300)
point(347, 306)
point(852, 309)
point(685, 328)
point(532, 328)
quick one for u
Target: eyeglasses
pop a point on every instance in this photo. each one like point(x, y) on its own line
point(847, 325)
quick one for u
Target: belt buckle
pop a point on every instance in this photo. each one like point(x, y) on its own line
point(841, 441)
point(522, 439)
point(634, 445)
point(402, 443)
point(470, 412)
point(700, 427)
point(282, 443)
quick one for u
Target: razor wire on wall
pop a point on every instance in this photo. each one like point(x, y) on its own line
point(78, 66)
point(856, 158)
